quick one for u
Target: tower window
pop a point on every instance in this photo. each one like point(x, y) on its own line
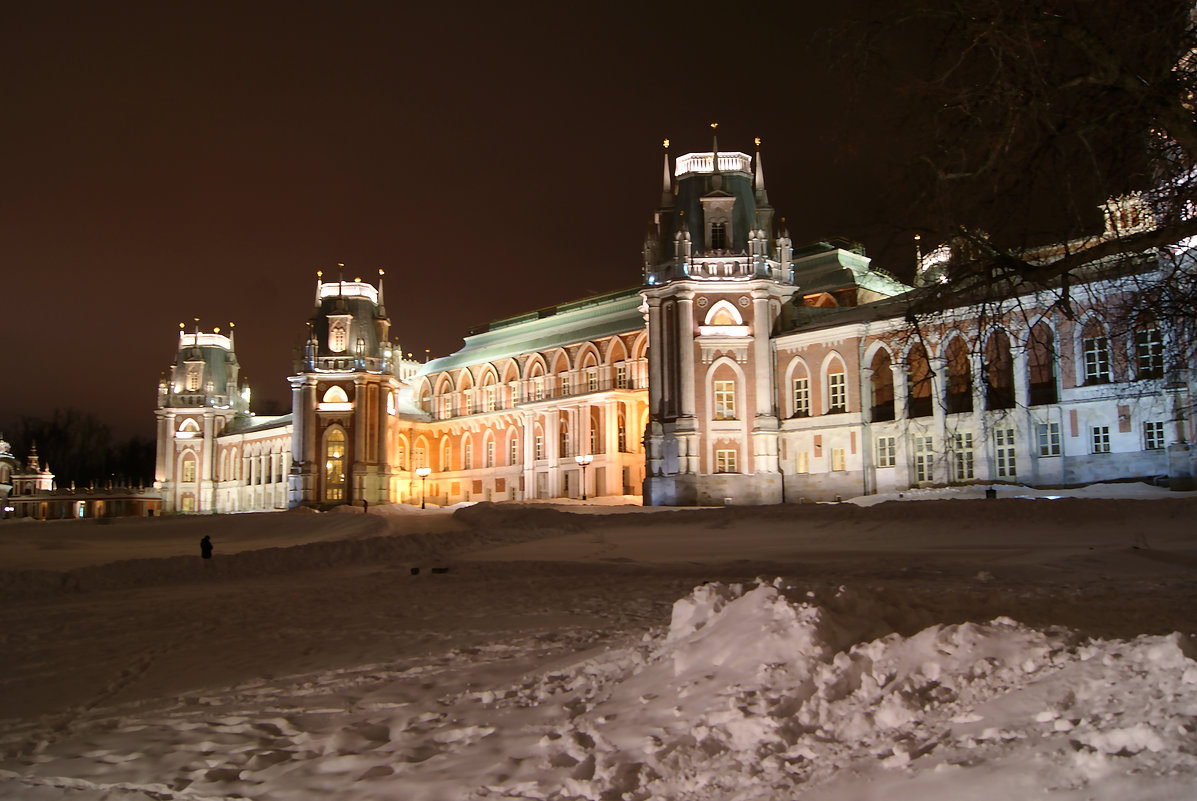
point(718, 236)
point(334, 467)
point(725, 400)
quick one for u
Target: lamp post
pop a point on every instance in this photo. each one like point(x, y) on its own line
point(582, 462)
point(422, 472)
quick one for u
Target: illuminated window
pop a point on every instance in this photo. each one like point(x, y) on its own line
point(445, 460)
point(887, 451)
point(594, 448)
point(193, 378)
point(401, 458)
point(421, 460)
point(513, 457)
point(468, 398)
point(837, 393)
point(837, 459)
point(334, 466)
point(539, 446)
point(188, 503)
point(1049, 439)
point(725, 401)
point(490, 453)
point(725, 461)
point(1101, 439)
point(338, 336)
point(592, 380)
point(802, 462)
point(962, 454)
point(538, 388)
point(621, 376)
point(335, 395)
point(802, 397)
point(564, 385)
point(188, 470)
point(391, 403)
point(1153, 436)
point(1003, 439)
point(468, 454)
point(490, 399)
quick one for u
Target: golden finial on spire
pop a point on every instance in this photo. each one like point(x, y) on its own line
point(182, 326)
point(714, 125)
point(758, 141)
point(381, 272)
point(216, 330)
point(232, 324)
point(666, 143)
point(320, 273)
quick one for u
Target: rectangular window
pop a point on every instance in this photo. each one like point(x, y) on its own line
point(924, 456)
point(538, 389)
point(621, 376)
point(802, 463)
point(837, 393)
point(1003, 439)
point(1097, 360)
point(539, 446)
point(1149, 353)
point(802, 397)
point(592, 381)
point(725, 400)
point(1101, 439)
point(962, 454)
point(594, 448)
point(564, 385)
point(622, 437)
point(446, 408)
point(420, 459)
point(513, 457)
point(490, 399)
point(490, 453)
point(1153, 436)
point(1049, 439)
point(837, 459)
point(563, 443)
point(887, 451)
point(719, 237)
point(468, 401)
point(188, 471)
point(725, 461)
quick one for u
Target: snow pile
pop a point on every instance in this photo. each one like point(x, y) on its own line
point(749, 695)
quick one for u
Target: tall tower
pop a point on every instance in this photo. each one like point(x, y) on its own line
point(715, 281)
point(196, 403)
point(343, 398)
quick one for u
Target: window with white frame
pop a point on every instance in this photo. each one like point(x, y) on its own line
point(837, 459)
point(802, 462)
point(1003, 440)
point(538, 388)
point(188, 470)
point(1100, 436)
point(419, 460)
point(1153, 436)
point(621, 376)
point(837, 393)
point(469, 401)
point(1149, 353)
point(725, 461)
point(887, 451)
point(513, 457)
point(802, 397)
point(592, 380)
point(1049, 438)
point(594, 432)
point(725, 401)
point(924, 458)
point(1095, 351)
point(719, 238)
point(962, 455)
point(564, 384)
point(563, 443)
point(539, 446)
point(193, 378)
point(490, 453)
point(490, 398)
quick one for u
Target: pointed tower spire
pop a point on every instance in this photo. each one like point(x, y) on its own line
point(232, 341)
point(382, 304)
point(716, 177)
point(319, 277)
point(762, 197)
point(666, 180)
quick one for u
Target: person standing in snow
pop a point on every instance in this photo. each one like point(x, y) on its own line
point(206, 548)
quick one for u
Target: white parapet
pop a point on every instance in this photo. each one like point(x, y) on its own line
point(692, 163)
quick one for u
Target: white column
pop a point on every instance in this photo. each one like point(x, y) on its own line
point(685, 331)
point(763, 363)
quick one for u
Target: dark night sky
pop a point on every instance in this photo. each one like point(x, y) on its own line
point(164, 161)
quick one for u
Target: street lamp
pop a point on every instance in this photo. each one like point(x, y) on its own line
point(582, 462)
point(422, 472)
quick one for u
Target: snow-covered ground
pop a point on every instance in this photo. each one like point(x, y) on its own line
point(954, 648)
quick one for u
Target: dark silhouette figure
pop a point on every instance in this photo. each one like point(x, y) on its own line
point(206, 547)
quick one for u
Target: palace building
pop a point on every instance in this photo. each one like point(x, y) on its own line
point(744, 370)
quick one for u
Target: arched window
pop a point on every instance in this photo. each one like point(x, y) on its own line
point(334, 466)
point(837, 387)
point(446, 461)
point(335, 395)
point(999, 372)
point(918, 401)
point(1095, 353)
point(882, 385)
point(1041, 365)
point(960, 378)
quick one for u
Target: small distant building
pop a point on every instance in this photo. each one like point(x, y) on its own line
point(30, 492)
